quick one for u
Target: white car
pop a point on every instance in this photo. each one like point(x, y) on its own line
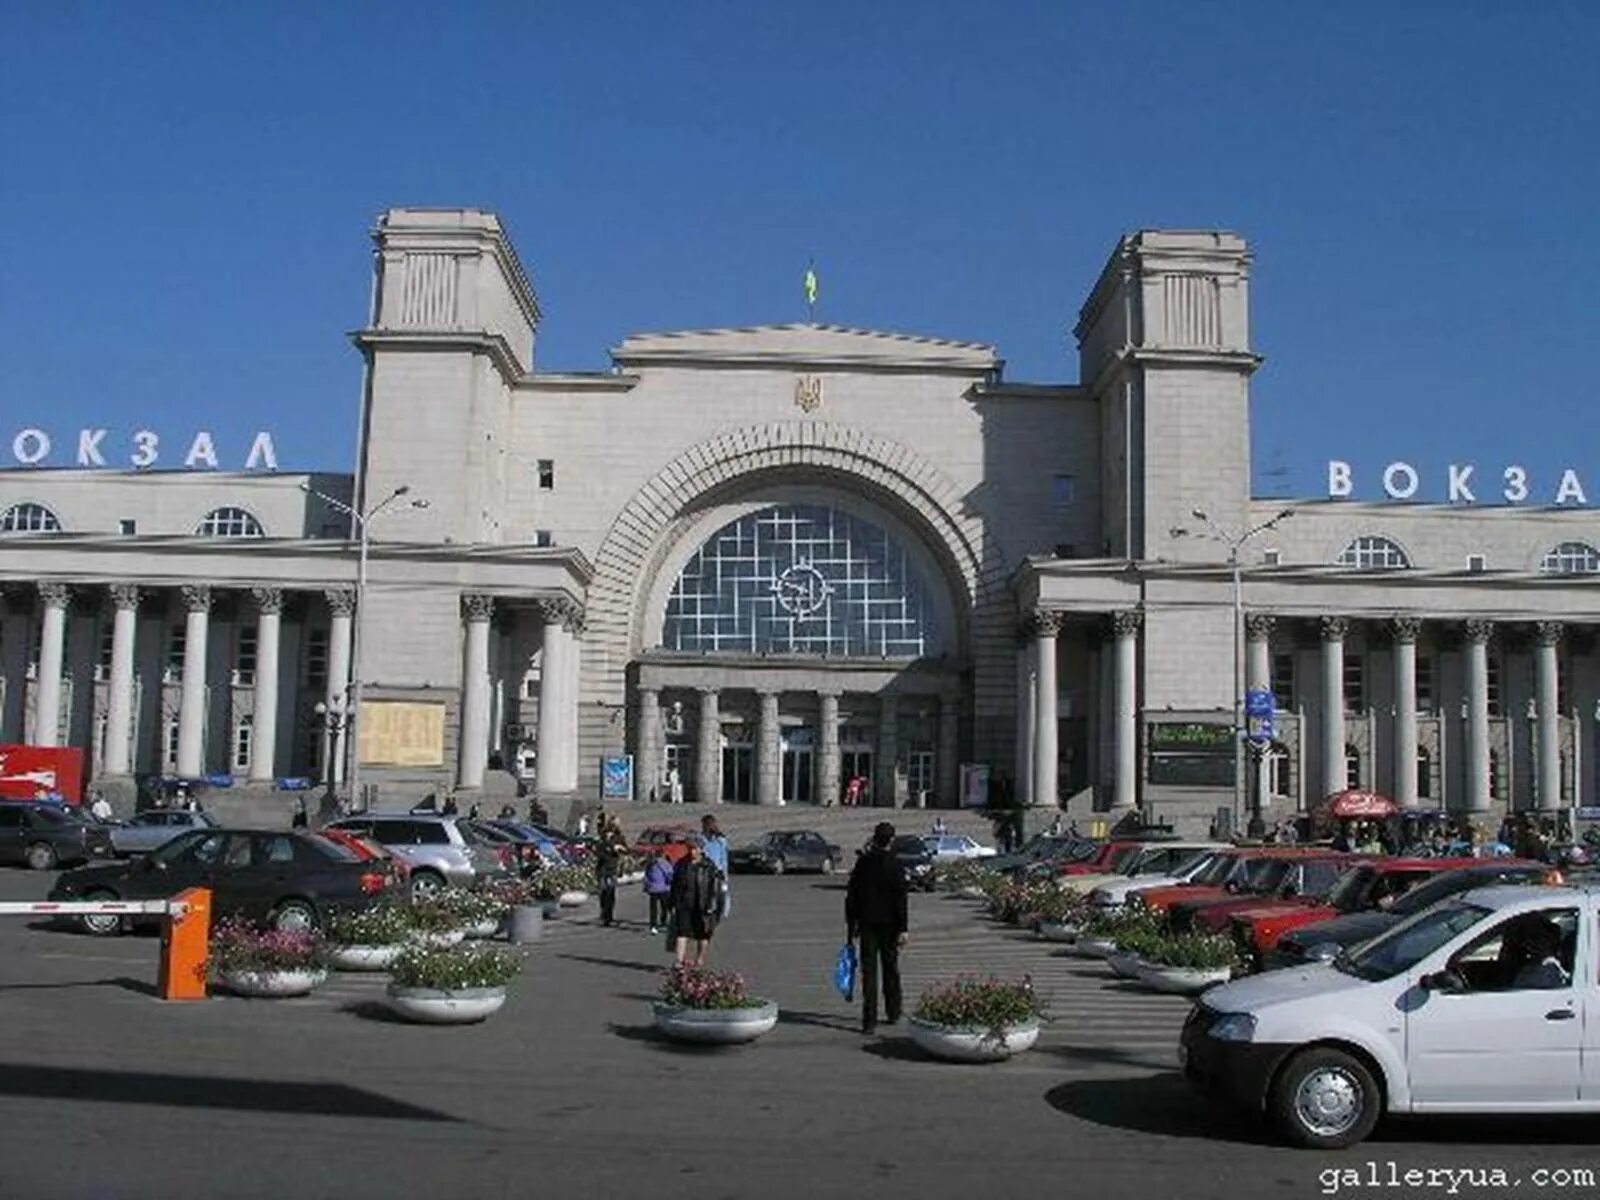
point(950, 847)
point(1487, 1003)
point(1152, 865)
point(1112, 895)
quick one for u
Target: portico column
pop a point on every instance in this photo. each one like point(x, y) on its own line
point(1478, 634)
point(116, 759)
point(341, 604)
point(1258, 651)
point(949, 750)
point(708, 757)
point(1026, 719)
point(557, 693)
point(1335, 774)
point(769, 752)
point(192, 701)
point(572, 624)
point(264, 734)
point(57, 598)
point(474, 751)
point(1547, 637)
point(1125, 628)
point(649, 764)
point(1046, 625)
point(883, 788)
point(829, 764)
point(1404, 631)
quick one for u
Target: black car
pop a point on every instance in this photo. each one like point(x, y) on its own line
point(786, 850)
point(288, 879)
point(45, 836)
point(1326, 938)
point(915, 860)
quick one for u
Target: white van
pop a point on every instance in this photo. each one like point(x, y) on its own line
point(1487, 1003)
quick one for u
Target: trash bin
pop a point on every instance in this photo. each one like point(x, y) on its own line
point(526, 924)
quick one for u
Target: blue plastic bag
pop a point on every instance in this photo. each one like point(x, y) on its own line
point(844, 971)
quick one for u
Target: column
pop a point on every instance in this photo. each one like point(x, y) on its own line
point(830, 763)
point(1026, 716)
point(269, 629)
point(1334, 773)
point(883, 787)
point(648, 768)
point(1478, 634)
point(117, 759)
point(769, 753)
point(572, 624)
point(556, 695)
point(57, 598)
point(192, 702)
point(1258, 651)
point(342, 605)
point(474, 749)
point(949, 750)
point(1404, 631)
point(1547, 637)
point(1125, 628)
point(1046, 625)
point(708, 751)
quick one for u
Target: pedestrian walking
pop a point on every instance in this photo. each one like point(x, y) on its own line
point(939, 829)
point(450, 808)
point(583, 825)
point(716, 848)
point(675, 786)
point(100, 810)
point(658, 888)
point(607, 864)
point(696, 902)
point(302, 817)
point(875, 913)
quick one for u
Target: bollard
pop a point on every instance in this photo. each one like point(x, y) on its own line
point(525, 924)
point(185, 947)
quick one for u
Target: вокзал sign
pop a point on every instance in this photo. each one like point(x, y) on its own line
point(34, 447)
point(1401, 481)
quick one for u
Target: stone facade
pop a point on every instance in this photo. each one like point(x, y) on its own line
point(799, 563)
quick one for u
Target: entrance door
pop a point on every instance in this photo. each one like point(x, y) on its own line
point(738, 772)
point(797, 775)
point(919, 773)
point(854, 763)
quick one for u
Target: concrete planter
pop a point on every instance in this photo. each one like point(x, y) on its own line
point(716, 1026)
point(272, 984)
point(364, 958)
point(1126, 965)
point(1183, 981)
point(971, 893)
point(1095, 947)
point(436, 1006)
point(484, 929)
point(443, 940)
point(1055, 931)
point(955, 1044)
point(573, 899)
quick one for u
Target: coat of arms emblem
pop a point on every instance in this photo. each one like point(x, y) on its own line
point(808, 393)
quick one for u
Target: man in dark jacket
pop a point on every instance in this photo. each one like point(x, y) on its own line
point(608, 854)
point(875, 910)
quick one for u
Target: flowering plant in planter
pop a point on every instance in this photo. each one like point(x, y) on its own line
point(379, 925)
point(456, 969)
point(442, 912)
point(697, 987)
point(1133, 921)
point(953, 876)
point(990, 1004)
point(552, 882)
point(516, 892)
point(238, 945)
point(1193, 951)
point(1061, 906)
point(482, 905)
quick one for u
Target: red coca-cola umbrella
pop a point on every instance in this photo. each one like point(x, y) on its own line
point(1353, 802)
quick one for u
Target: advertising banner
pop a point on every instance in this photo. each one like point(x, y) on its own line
point(974, 785)
point(616, 777)
point(57, 771)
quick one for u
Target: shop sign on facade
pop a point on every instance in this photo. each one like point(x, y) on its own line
point(34, 447)
point(1402, 481)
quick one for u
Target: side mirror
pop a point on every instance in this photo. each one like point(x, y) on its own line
point(1442, 981)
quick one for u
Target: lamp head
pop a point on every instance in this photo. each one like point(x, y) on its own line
point(403, 489)
point(1199, 514)
point(419, 504)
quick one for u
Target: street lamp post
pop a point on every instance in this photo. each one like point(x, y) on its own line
point(1235, 542)
point(348, 719)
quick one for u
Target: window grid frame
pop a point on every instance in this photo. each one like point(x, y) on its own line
point(29, 516)
point(230, 521)
point(1374, 552)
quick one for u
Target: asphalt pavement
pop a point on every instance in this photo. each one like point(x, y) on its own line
point(108, 1093)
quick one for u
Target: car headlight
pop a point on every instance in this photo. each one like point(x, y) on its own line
point(1234, 1027)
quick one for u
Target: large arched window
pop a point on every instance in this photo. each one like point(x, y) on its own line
point(29, 518)
point(1370, 552)
point(802, 579)
point(230, 523)
point(1571, 558)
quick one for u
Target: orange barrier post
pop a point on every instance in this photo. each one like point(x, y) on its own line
point(185, 947)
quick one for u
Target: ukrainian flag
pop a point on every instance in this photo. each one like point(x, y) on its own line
point(811, 286)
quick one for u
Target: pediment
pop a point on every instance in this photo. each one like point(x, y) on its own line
point(805, 345)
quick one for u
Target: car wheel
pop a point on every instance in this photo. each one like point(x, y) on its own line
point(294, 916)
point(425, 884)
point(777, 866)
point(827, 866)
point(103, 924)
point(41, 856)
point(1324, 1099)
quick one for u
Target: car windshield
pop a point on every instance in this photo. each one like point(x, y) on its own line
point(1408, 943)
point(332, 849)
point(1215, 871)
point(1121, 858)
point(48, 816)
point(1452, 883)
point(487, 833)
point(1319, 877)
point(1349, 894)
point(171, 851)
point(909, 845)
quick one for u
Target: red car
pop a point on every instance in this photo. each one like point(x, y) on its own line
point(1302, 882)
point(368, 850)
point(1372, 884)
point(671, 840)
point(1253, 871)
point(1108, 860)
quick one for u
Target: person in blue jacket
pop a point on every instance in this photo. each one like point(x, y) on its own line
point(716, 848)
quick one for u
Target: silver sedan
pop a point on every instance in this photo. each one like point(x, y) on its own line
point(149, 830)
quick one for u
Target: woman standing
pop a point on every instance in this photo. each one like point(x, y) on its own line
point(695, 905)
point(717, 852)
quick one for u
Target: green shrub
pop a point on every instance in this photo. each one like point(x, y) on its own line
point(457, 968)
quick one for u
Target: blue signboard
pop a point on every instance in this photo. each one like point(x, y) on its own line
point(1259, 704)
point(616, 777)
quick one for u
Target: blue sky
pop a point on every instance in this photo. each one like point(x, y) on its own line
point(185, 193)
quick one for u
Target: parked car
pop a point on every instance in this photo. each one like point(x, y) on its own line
point(43, 836)
point(154, 827)
point(535, 848)
point(1482, 1004)
point(1110, 859)
point(1253, 871)
point(1323, 940)
point(367, 850)
point(289, 879)
point(1290, 883)
point(441, 851)
point(1045, 847)
point(1150, 860)
point(672, 840)
point(955, 847)
point(915, 859)
point(786, 850)
point(1208, 869)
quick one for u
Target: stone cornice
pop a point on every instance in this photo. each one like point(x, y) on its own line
point(447, 341)
point(578, 381)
